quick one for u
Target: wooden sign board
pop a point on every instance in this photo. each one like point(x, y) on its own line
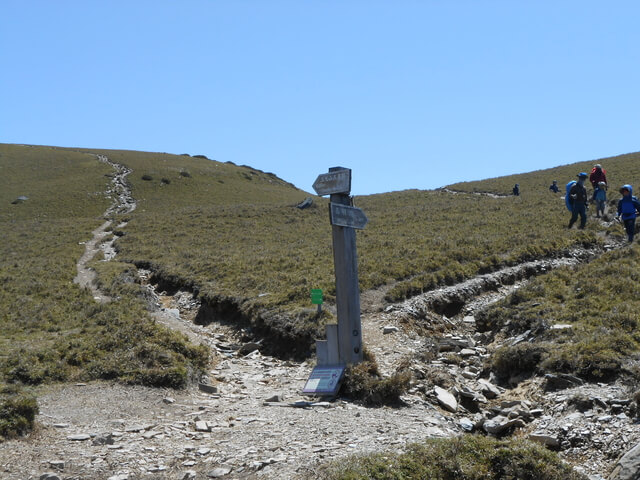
point(333, 182)
point(324, 380)
point(346, 216)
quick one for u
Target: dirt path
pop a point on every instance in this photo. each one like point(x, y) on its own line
point(250, 421)
point(101, 239)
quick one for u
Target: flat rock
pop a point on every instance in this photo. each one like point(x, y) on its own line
point(49, 476)
point(248, 348)
point(219, 472)
point(545, 439)
point(205, 387)
point(446, 399)
point(202, 426)
point(387, 329)
point(561, 381)
point(488, 389)
point(466, 424)
point(81, 437)
point(499, 424)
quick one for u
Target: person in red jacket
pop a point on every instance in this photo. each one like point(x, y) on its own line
point(598, 174)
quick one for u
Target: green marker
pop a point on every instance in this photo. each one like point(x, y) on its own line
point(316, 298)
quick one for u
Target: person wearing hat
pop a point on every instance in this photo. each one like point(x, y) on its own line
point(578, 199)
point(627, 207)
point(600, 198)
point(554, 187)
point(598, 174)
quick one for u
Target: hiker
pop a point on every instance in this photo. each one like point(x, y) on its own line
point(516, 190)
point(600, 198)
point(554, 187)
point(598, 174)
point(578, 201)
point(627, 207)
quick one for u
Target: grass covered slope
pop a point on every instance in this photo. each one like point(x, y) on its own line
point(600, 302)
point(50, 329)
point(233, 234)
point(620, 169)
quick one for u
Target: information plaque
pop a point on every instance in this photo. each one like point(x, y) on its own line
point(324, 380)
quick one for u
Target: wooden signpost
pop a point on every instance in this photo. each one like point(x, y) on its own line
point(343, 345)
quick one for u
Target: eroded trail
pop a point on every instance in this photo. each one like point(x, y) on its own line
point(101, 238)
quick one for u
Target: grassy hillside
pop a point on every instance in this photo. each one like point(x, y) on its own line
point(50, 329)
point(233, 234)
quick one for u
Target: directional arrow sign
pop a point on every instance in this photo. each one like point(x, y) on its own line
point(333, 182)
point(345, 216)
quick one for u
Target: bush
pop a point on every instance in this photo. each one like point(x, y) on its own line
point(463, 458)
point(17, 412)
point(520, 360)
point(363, 382)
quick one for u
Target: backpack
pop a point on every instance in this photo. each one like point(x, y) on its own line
point(567, 199)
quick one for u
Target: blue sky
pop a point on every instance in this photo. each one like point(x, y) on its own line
point(409, 94)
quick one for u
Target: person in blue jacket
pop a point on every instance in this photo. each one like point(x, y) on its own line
point(600, 198)
point(627, 207)
point(578, 201)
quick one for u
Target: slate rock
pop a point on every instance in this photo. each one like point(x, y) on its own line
point(446, 399)
point(20, 199)
point(49, 476)
point(466, 424)
point(387, 329)
point(306, 203)
point(561, 381)
point(205, 387)
point(545, 439)
point(79, 438)
point(104, 439)
point(202, 426)
point(488, 389)
point(57, 464)
point(500, 424)
point(219, 472)
point(628, 467)
point(248, 348)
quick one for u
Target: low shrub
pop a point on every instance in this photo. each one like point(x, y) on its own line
point(469, 457)
point(363, 382)
point(17, 412)
point(517, 361)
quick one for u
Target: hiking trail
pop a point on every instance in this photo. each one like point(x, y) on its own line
point(248, 419)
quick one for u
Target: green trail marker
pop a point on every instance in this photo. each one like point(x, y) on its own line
point(316, 298)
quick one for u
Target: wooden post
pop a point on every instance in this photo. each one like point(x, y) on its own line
point(345, 259)
point(344, 341)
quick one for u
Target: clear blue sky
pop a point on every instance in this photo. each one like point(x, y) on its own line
point(409, 94)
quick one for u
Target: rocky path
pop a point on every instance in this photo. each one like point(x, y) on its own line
point(101, 238)
point(248, 420)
